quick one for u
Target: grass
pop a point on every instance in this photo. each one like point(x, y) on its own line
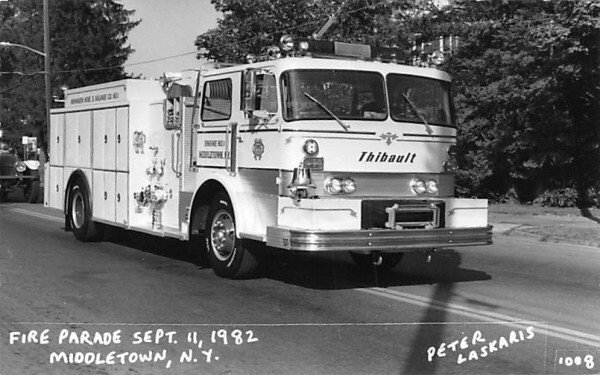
point(549, 224)
point(534, 210)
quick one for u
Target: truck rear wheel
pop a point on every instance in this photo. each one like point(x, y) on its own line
point(383, 261)
point(79, 214)
point(227, 254)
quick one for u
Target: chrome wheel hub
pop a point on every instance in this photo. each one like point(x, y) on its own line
point(222, 235)
point(78, 210)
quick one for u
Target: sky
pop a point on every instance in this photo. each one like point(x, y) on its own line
point(168, 29)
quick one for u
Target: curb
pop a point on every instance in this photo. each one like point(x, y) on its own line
point(508, 229)
point(521, 230)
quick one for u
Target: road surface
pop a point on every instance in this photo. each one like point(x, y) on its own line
point(135, 304)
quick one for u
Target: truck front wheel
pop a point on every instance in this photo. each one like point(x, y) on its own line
point(227, 254)
point(79, 214)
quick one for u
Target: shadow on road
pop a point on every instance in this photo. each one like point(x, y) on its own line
point(331, 270)
point(165, 247)
point(429, 334)
point(337, 271)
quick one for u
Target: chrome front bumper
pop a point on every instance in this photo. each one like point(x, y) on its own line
point(376, 239)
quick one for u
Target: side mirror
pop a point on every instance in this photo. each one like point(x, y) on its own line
point(249, 91)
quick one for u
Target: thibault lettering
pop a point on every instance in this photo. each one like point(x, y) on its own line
point(384, 157)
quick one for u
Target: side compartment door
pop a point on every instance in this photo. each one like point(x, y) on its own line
point(55, 188)
point(98, 201)
point(104, 195)
point(109, 196)
point(122, 139)
point(121, 201)
point(57, 139)
point(104, 139)
point(78, 139)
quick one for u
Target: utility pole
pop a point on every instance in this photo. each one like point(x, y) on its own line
point(47, 76)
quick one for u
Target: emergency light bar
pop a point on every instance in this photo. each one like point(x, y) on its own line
point(362, 51)
point(329, 49)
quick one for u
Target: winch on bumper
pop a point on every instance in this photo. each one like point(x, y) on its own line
point(379, 224)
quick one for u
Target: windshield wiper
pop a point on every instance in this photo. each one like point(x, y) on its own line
point(416, 111)
point(322, 106)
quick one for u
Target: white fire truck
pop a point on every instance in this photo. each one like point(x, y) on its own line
point(333, 147)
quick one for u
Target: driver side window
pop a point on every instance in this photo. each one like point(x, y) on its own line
point(266, 93)
point(216, 100)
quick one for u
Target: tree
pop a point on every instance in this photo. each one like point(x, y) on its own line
point(249, 27)
point(527, 82)
point(88, 46)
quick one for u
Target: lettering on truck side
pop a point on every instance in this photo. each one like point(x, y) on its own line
point(384, 157)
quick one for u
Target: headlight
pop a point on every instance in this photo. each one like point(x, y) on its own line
point(333, 185)
point(432, 187)
point(348, 186)
point(336, 185)
point(421, 187)
point(418, 186)
point(20, 167)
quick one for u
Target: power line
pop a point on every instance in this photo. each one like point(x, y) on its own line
point(219, 46)
point(9, 88)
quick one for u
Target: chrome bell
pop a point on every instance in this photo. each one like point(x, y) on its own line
point(301, 178)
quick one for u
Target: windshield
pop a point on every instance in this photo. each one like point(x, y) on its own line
point(415, 99)
point(345, 94)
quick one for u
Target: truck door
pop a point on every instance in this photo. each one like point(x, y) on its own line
point(220, 116)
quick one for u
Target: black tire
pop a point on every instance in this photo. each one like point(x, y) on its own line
point(79, 214)
point(385, 263)
point(196, 251)
point(31, 191)
point(228, 255)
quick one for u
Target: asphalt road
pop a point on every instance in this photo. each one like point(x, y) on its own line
point(135, 304)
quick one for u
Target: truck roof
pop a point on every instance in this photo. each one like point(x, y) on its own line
point(290, 63)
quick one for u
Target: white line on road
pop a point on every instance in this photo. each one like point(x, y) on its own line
point(486, 316)
point(35, 214)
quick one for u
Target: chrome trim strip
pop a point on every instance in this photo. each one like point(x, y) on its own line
point(429, 136)
point(377, 239)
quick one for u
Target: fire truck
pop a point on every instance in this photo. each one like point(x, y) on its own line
point(316, 146)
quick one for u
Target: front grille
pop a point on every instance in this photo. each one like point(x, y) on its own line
point(402, 214)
